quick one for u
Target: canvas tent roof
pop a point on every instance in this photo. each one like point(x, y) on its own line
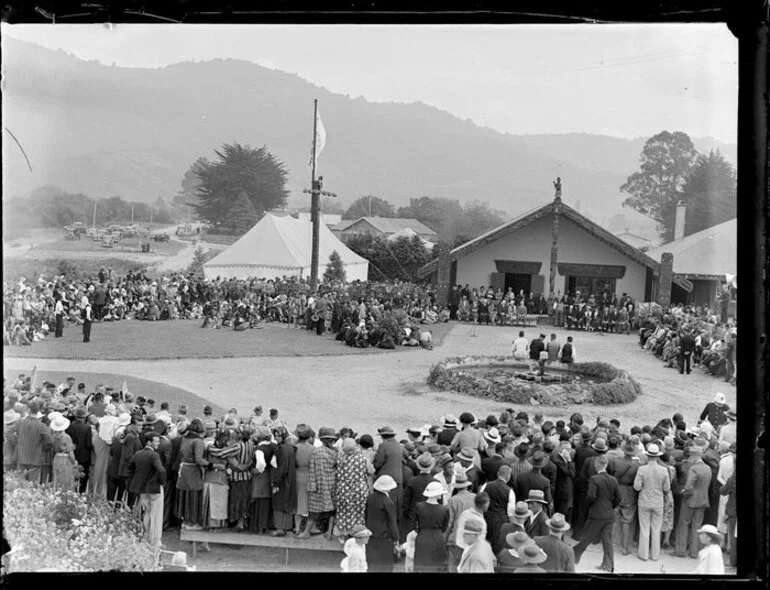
point(278, 246)
point(711, 252)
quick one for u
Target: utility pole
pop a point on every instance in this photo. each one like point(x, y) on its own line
point(315, 204)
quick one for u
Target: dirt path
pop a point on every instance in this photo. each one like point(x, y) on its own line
point(368, 391)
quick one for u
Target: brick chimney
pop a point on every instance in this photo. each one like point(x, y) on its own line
point(681, 210)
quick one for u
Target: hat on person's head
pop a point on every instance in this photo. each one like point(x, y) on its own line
point(449, 421)
point(165, 418)
point(359, 531)
point(385, 483)
point(150, 419)
point(493, 435)
point(603, 423)
point(517, 539)
point(415, 430)
point(700, 445)
point(230, 423)
point(720, 398)
point(443, 460)
point(207, 410)
point(630, 448)
point(128, 396)
point(522, 511)
point(51, 416)
point(433, 489)
point(9, 417)
point(434, 449)
point(59, 424)
point(557, 523)
point(532, 553)
point(425, 462)
point(465, 454)
point(538, 460)
point(668, 443)
point(600, 446)
point(711, 531)
point(586, 435)
point(536, 496)
point(124, 419)
point(653, 450)
point(473, 525)
point(111, 410)
point(326, 433)
point(731, 415)
point(467, 418)
point(462, 481)
point(386, 431)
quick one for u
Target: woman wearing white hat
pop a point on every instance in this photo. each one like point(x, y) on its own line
point(432, 520)
point(710, 559)
point(64, 463)
point(381, 520)
point(355, 550)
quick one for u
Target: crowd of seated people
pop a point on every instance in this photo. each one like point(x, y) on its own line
point(661, 332)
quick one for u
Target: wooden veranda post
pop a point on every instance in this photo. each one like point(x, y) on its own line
point(555, 236)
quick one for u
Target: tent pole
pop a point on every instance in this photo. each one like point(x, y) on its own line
point(314, 206)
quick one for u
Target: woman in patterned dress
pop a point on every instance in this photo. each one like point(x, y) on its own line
point(64, 463)
point(351, 489)
point(668, 504)
point(321, 482)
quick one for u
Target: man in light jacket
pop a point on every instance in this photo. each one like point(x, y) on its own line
point(653, 483)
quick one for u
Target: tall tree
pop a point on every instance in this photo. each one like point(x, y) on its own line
point(335, 270)
point(363, 206)
point(187, 195)
point(431, 211)
point(710, 193)
point(666, 161)
point(240, 169)
point(242, 215)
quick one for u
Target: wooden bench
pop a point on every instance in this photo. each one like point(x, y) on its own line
point(289, 541)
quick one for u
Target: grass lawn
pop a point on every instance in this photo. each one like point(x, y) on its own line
point(125, 245)
point(149, 389)
point(142, 340)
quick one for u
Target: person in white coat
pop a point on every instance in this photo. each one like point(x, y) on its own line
point(710, 559)
point(355, 550)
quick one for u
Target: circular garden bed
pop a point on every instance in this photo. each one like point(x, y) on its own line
point(494, 378)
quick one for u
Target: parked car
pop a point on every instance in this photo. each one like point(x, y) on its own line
point(107, 242)
point(161, 237)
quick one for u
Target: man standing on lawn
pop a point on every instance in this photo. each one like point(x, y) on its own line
point(87, 320)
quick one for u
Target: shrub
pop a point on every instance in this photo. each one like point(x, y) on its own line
point(622, 390)
point(66, 531)
point(393, 323)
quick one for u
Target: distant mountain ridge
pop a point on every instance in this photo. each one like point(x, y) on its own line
point(133, 132)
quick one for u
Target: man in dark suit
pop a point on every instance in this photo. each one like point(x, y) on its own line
point(565, 474)
point(490, 465)
point(147, 477)
point(413, 491)
point(388, 461)
point(603, 497)
point(80, 433)
point(534, 480)
point(686, 350)
point(561, 558)
point(536, 526)
point(624, 470)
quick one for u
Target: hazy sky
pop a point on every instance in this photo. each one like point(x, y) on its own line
point(621, 80)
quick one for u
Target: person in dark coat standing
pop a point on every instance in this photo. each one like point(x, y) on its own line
point(624, 470)
point(388, 461)
point(284, 483)
point(87, 320)
point(490, 465)
point(565, 474)
point(582, 453)
point(413, 491)
point(431, 521)
point(147, 478)
point(446, 436)
point(534, 479)
point(537, 524)
point(603, 497)
point(80, 433)
point(686, 350)
point(561, 558)
point(502, 503)
point(381, 520)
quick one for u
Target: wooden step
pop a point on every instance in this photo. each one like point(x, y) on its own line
point(289, 541)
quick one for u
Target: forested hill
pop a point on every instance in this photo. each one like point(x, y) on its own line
point(103, 131)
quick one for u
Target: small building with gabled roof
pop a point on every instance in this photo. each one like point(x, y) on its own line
point(382, 226)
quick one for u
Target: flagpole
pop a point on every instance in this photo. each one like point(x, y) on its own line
point(314, 206)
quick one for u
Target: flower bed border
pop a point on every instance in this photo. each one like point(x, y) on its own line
point(621, 388)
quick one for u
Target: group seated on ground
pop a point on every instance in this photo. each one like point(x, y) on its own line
point(322, 480)
point(661, 332)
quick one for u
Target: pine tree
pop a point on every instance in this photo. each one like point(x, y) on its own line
point(243, 214)
point(335, 270)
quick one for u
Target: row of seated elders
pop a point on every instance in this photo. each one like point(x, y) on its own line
point(513, 473)
point(368, 333)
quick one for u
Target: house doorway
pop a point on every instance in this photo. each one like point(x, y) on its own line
point(517, 282)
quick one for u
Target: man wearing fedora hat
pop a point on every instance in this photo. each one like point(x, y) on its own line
point(477, 557)
point(561, 557)
point(624, 470)
point(517, 522)
point(727, 431)
point(462, 500)
point(449, 429)
point(603, 498)
point(81, 433)
point(502, 505)
point(532, 556)
point(695, 501)
point(653, 483)
point(537, 525)
point(534, 479)
point(465, 465)
point(147, 476)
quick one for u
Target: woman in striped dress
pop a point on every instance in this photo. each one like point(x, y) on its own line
point(239, 498)
point(215, 485)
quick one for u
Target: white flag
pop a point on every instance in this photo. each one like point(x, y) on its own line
point(320, 139)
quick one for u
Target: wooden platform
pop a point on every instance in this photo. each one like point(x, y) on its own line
point(289, 541)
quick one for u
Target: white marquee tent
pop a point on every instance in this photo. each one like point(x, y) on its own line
point(278, 246)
